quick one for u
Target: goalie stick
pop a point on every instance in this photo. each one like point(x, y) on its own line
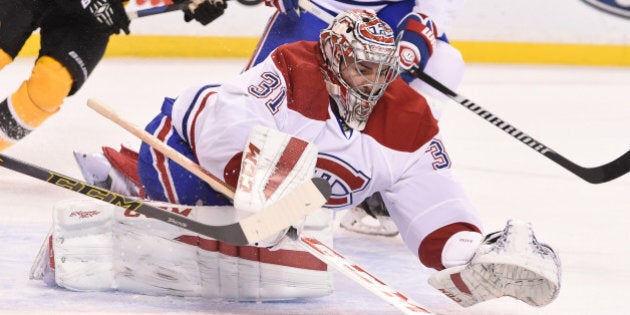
point(359, 275)
point(313, 246)
point(593, 175)
point(295, 206)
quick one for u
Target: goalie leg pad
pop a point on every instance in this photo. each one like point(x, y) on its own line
point(99, 247)
point(509, 263)
point(83, 245)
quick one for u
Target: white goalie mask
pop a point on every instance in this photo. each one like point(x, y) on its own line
point(359, 53)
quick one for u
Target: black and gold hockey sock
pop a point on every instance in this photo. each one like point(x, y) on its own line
point(35, 100)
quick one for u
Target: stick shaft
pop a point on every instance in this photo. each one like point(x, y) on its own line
point(593, 175)
point(157, 10)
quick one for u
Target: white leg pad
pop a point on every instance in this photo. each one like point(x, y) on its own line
point(83, 245)
point(100, 247)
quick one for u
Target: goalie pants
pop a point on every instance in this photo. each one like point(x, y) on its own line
point(164, 179)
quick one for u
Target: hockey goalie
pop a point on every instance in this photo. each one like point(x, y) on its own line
point(373, 133)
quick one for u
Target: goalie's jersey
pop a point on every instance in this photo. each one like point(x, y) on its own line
point(400, 153)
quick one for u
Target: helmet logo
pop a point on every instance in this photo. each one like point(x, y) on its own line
point(375, 31)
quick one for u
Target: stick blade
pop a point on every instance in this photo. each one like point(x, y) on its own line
point(305, 199)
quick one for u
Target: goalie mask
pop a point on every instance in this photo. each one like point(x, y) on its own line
point(359, 53)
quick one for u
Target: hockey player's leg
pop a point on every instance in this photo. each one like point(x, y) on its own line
point(36, 99)
point(370, 217)
point(508, 263)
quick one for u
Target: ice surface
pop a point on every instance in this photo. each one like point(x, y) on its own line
point(581, 112)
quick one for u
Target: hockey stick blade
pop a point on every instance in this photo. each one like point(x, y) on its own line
point(296, 205)
point(334, 259)
point(593, 175)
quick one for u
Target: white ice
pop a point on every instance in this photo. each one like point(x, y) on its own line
point(581, 112)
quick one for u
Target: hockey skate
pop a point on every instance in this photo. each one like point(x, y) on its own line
point(97, 170)
point(508, 263)
point(370, 217)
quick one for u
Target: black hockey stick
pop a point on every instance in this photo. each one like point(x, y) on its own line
point(157, 10)
point(593, 175)
point(296, 205)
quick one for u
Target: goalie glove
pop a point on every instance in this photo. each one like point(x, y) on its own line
point(203, 11)
point(508, 263)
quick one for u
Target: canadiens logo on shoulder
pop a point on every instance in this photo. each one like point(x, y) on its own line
point(616, 7)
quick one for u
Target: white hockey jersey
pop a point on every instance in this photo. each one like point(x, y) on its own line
point(400, 152)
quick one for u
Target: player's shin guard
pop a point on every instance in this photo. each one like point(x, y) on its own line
point(35, 100)
point(508, 263)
